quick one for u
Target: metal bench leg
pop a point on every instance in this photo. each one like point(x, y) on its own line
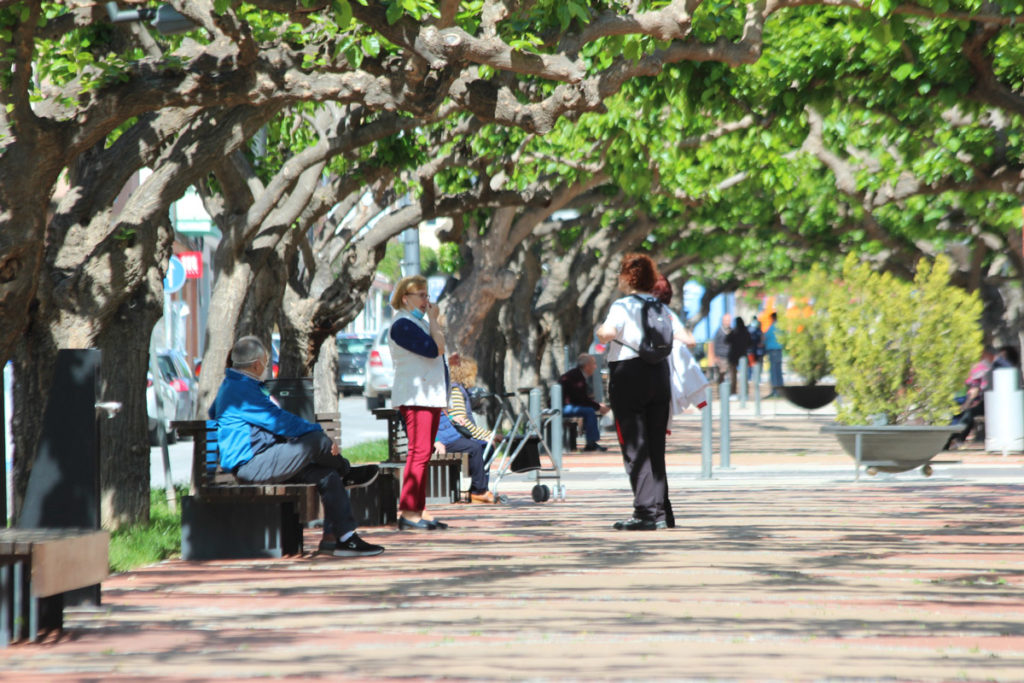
point(6, 606)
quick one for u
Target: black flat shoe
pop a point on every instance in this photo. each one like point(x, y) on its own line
point(634, 524)
point(422, 525)
point(438, 524)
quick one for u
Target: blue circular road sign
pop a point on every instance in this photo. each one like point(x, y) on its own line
point(175, 278)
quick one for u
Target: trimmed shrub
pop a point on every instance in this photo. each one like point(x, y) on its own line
point(900, 350)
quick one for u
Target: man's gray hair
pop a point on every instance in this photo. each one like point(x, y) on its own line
point(247, 351)
point(583, 359)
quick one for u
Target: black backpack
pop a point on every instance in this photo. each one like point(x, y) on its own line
point(657, 326)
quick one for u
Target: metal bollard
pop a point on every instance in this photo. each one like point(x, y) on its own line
point(555, 426)
point(723, 438)
point(757, 389)
point(705, 436)
point(741, 377)
point(535, 408)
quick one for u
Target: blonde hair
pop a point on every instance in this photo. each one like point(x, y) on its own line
point(403, 287)
point(464, 372)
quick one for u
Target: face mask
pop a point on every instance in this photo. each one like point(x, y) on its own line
point(417, 313)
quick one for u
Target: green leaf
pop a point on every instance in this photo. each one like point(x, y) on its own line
point(342, 14)
point(394, 12)
point(903, 72)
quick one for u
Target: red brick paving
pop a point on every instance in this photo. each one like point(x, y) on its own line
point(903, 578)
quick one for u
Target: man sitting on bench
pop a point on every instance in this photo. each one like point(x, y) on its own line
point(262, 444)
point(578, 400)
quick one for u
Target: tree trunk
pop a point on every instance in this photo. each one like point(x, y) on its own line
point(124, 440)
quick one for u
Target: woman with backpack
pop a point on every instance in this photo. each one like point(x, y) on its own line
point(640, 332)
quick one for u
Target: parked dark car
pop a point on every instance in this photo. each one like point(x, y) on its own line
point(352, 352)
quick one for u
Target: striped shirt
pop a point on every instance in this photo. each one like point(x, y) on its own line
point(458, 408)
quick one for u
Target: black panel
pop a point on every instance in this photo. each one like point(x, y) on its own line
point(294, 395)
point(64, 485)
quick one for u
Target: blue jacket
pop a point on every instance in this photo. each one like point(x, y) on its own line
point(446, 432)
point(247, 420)
point(771, 339)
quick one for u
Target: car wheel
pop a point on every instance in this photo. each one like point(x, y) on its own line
point(374, 402)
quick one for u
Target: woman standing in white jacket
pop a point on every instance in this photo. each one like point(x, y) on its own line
point(420, 391)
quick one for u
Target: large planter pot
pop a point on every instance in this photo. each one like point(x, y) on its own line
point(892, 448)
point(809, 396)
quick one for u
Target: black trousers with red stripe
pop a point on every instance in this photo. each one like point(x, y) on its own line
point(640, 399)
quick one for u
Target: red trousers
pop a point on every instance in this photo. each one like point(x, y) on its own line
point(420, 429)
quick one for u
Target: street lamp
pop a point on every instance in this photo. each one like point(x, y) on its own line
point(164, 18)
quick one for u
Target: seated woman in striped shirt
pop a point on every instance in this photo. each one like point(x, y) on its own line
point(459, 433)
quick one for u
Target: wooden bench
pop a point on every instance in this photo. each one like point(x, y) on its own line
point(37, 566)
point(443, 471)
point(571, 428)
point(223, 518)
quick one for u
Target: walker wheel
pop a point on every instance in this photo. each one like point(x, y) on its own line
point(541, 493)
point(926, 470)
point(503, 499)
point(872, 471)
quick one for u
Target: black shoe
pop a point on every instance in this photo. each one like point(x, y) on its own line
point(634, 524)
point(662, 525)
point(438, 524)
point(360, 475)
point(422, 525)
point(353, 547)
point(592, 447)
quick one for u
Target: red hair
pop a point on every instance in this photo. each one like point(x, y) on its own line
point(639, 272)
point(663, 290)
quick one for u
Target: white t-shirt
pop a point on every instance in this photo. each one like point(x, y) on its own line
point(624, 316)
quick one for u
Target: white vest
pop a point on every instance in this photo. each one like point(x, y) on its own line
point(419, 381)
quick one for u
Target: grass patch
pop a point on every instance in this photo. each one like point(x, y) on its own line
point(368, 451)
point(142, 544)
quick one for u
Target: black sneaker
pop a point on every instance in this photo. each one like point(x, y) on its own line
point(634, 524)
point(594, 447)
point(353, 547)
point(360, 475)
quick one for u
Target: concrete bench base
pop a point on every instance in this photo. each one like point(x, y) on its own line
point(228, 529)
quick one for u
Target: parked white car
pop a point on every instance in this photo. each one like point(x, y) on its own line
point(380, 371)
point(160, 390)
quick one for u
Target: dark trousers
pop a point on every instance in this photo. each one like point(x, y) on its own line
point(966, 419)
point(307, 460)
point(477, 472)
point(640, 397)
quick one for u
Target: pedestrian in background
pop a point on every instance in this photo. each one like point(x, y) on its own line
point(739, 344)
point(773, 349)
point(718, 357)
point(756, 352)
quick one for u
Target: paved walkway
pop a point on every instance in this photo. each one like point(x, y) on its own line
point(782, 568)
